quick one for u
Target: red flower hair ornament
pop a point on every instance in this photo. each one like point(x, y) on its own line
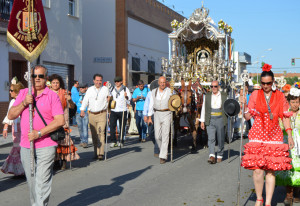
point(267, 67)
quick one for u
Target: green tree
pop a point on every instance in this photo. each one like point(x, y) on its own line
point(291, 80)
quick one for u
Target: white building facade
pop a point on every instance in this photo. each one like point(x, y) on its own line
point(63, 54)
point(132, 46)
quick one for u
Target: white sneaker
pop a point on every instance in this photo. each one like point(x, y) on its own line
point(112, 145)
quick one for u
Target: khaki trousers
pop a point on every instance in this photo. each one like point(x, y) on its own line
point(97, 126)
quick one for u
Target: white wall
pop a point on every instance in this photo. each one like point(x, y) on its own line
point(4, 68)
point(99, 38)
point(65, 36)
point(147, 43)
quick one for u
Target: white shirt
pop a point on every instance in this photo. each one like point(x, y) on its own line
point(121, 102)
point(10, 122)
point(95, 99)
point(216, 103)
point(160, 96)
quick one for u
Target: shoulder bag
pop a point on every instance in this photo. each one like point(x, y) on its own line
point(57, 135)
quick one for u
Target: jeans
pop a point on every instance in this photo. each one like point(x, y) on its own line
point(114, 117)
point(83, 123)
point(40, 184)
point(140, 124)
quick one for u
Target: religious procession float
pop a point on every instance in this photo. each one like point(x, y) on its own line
point(200, 52)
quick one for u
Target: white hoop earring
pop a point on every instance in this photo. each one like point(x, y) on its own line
point(273, 87)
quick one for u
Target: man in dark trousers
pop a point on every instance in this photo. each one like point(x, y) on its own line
point(213, 117)
point(122, 96)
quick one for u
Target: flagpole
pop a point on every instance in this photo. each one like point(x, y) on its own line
point(30, 120)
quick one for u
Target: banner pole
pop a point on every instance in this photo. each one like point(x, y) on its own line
point(30, 120)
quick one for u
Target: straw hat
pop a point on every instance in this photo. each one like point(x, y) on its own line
point(256, 86)
point(174, 102)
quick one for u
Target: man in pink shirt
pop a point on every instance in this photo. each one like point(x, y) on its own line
point(50, 108)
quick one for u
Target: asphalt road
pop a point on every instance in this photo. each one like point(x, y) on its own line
point(132, 176)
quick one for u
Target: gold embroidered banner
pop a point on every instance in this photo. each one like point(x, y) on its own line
point(27, 30)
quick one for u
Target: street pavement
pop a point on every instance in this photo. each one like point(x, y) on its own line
point(132, 176)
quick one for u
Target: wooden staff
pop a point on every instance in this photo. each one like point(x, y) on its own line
point(230, 132)
point(171, 120)
point(68, 131)
point(108, 85)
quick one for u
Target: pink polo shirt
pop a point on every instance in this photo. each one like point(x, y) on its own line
point(49, 106)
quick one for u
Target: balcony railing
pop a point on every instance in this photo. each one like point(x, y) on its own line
point(5, 9)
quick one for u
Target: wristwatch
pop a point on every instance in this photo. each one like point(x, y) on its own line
point(40, 134)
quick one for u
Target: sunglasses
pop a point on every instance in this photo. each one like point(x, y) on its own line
point(11, 90)
point(267, 83)
point(41, 76)
point(213, 86)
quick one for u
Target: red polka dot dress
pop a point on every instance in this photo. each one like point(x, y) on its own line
point(265, 149)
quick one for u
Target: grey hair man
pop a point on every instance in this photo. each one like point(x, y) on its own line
point(213, 117)
point(49, 105)
point(162, 115)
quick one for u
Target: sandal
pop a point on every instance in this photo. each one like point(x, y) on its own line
point(262, 201)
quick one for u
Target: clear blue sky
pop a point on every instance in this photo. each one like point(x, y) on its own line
point(257, 26)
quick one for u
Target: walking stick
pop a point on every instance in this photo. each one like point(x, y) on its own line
point(230, 134)
point(108, 85)
point(30, 118)
point(123, 121)
point(245, 78)
point(172, 83)
point(122, 128)
point(171, 137)
point(68, 131)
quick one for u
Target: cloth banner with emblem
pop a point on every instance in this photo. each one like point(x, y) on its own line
point(27, 30)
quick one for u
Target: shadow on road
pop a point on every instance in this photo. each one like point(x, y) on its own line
point(278, 196)
point(9, 182)
point(3, 157)
point(233, 154)
point(87, 158)
point(95, 194)
point(183, 148)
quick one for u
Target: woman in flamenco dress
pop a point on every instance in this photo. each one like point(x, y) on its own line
point(291, 179)
point(63, 151)
point(13, 164)
point(266, 151)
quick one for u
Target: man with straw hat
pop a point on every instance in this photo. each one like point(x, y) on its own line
point(162, 103)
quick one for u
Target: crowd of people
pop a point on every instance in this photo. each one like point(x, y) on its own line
point(114, 109)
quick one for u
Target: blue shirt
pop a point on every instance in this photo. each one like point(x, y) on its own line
point(77, 98)
point(74, 93)
point(248, 97)
point(140, 103)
